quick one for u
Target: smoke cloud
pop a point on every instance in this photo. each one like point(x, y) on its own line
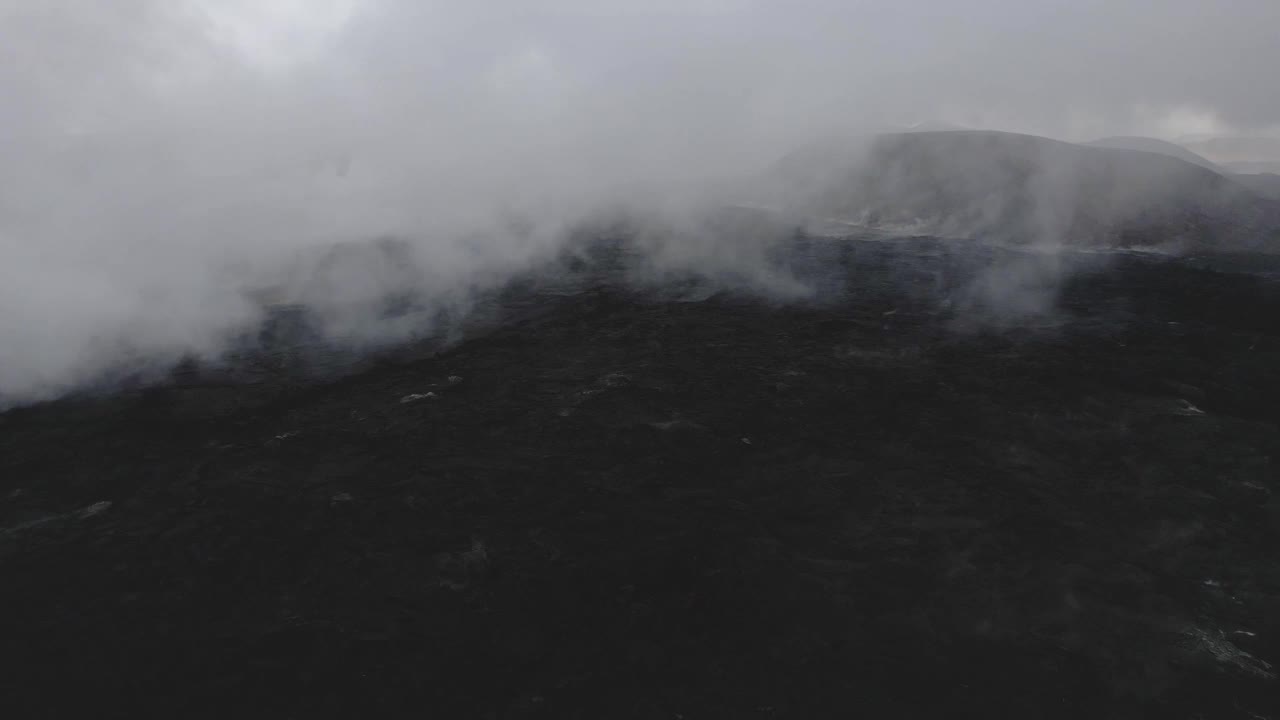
point(165, 161)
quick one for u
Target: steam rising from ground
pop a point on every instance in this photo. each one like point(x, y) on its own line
point(170, 166)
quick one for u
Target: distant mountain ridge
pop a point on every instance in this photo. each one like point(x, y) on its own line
point(1259, 176)
point(1027, 189)
point(1230, 150)
point(1152, 145)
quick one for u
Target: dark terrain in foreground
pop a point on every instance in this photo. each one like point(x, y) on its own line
point(630, 505)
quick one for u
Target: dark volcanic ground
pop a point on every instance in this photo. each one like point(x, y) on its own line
point(628, 504)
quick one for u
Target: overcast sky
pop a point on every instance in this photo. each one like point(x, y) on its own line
point(151, 145)
point(1069, 68)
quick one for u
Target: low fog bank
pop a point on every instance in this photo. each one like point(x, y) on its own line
point(193, 268)
point(121, 291)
